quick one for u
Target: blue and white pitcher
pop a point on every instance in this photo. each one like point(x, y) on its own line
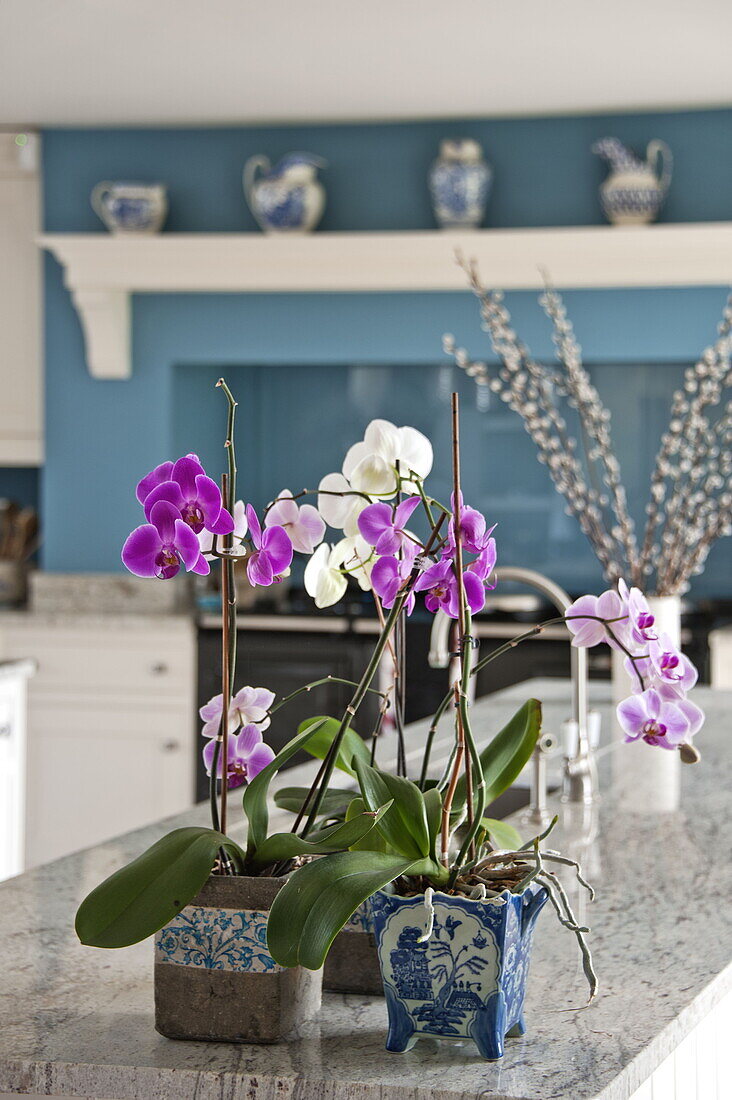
point(634, 191)
point(288, 198)
point(460, 974)
point(130, 207)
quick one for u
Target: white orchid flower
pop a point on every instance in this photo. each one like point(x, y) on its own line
point(303, 524)
point(358, 559)
point(370, 466)
point(341, 512)
point(415, 452)
point(325, 579)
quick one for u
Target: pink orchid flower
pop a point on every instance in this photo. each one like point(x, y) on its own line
point(304, 525)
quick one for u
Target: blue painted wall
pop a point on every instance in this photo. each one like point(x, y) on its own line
point(310, 371)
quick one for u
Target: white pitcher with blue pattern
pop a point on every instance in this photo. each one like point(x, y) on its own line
point(286, 198)
point(635, 189)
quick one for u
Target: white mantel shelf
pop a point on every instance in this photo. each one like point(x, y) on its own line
point(102, 271)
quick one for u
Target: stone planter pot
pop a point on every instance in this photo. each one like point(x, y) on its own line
point(463, 979)
point(352, 964)
point(214, 977)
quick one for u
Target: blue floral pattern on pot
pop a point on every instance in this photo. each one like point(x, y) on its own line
point(216, 939)
point(288, 197)
point(634, 191)
point(460, 183)
point(465, 978)
point(361, 920)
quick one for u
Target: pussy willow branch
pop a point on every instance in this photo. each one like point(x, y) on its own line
point(690, 486)
point(690, 466)
point(529, 389)
point(595, 422)
point(687, 407)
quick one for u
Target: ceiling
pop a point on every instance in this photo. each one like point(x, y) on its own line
point(117, 62)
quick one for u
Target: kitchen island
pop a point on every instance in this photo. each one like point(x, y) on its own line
point(77, 1021)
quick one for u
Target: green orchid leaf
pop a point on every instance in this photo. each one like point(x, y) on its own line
point(139, 899)
point(351, 745)
point(373, 841)
point(339, 838)
point(506, 755)
point(256, 792)
point(334, 805)
point(433, 806)
point(502, 834)
point(405, 827)
point(317, 900)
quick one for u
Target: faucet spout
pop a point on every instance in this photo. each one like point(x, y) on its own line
point(579, 772)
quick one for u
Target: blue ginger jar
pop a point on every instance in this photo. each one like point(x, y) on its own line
point(460, 182)
point(459, 976)
point(634, 191)
point(288, 198)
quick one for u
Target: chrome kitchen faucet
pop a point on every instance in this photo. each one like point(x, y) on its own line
point(580, 777)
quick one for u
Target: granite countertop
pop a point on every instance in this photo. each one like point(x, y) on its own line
point(79, 1022)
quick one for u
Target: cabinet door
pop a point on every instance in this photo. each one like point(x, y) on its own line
point(94, 773)
point(12, 775)
point(21, 437)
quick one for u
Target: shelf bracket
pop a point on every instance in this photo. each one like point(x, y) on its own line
point(105, 322)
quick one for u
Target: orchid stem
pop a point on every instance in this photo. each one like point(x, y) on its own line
point(511, 644)
point(225, 673)
point(228, 614)
point(317, 683)
point(363, 686)
point(475, 799)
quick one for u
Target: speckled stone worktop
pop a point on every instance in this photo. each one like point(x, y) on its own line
point(79, 1022)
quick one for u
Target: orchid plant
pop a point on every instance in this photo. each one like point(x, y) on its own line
point(414, 832)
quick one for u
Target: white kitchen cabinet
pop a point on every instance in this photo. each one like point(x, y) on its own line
point(21, 372)
point(111, 725)
point(700, 1068)
point(720, 654)
point(111, 770)
point(13, 677)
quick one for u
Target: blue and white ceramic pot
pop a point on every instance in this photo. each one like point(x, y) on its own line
point(352, 964)
point(634, 191)
point(460, 182)
point(131, 207)
point(215, 979)
point(461, 975)
point(287, 198)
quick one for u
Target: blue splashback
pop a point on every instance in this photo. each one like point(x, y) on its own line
point(21, 484)
point(311, 370)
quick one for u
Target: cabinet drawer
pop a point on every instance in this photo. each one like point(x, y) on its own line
point(125, 664)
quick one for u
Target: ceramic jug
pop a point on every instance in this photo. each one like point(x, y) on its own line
point(634, 191)
point(460, 182)
point(287, 198)
point(130, 207)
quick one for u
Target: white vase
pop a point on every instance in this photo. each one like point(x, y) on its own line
point(646, 779)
